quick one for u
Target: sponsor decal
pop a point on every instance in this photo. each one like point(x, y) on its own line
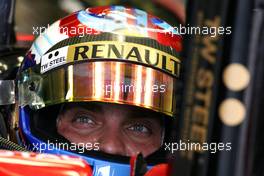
point(125, 51)
point(114, 50)
point(53, 59)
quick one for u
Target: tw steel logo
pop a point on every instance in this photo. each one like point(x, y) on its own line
point(199, 105)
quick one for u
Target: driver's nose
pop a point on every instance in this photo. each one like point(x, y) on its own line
point(111, 142)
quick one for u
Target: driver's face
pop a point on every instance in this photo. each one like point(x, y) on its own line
point(118, 129)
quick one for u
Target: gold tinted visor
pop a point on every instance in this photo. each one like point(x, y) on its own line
point(103, 81)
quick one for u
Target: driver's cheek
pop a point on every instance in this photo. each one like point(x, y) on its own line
point(77, 136)
point(134, 148)
point(146, 148)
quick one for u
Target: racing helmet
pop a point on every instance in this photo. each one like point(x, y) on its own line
point(90, 56)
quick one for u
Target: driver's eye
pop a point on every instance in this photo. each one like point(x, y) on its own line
point(139, 128)
point(83, 119)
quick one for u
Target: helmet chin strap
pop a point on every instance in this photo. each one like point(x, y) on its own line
point(138, 165)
